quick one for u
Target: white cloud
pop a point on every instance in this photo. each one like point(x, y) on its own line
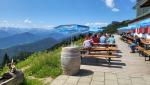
point(115, 9)
point(96, 24)
point(5, 21)
point(50, 26)
point(27, 21)
point(111, 4)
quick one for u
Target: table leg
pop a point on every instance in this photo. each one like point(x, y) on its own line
point(146, 47)
point(109, 59)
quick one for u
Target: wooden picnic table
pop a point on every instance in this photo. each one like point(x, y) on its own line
point(146, 43)
point(147, 54)
point(101, 49)
point(126, 38)
point(131, 38)
point(104, 44)
point(108, 56)
point(99, 56)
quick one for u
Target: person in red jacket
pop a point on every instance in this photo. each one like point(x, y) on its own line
point(95, 39)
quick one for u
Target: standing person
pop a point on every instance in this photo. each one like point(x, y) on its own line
point(102, 39)
point(111, 40)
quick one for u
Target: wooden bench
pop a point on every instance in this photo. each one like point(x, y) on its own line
point(146, 54)
point(104, 45)
point(98, 56)
point(140, 50)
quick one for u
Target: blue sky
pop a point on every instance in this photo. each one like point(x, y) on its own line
point(47, 13)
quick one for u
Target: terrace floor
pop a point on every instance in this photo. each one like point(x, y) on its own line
point(130, 69)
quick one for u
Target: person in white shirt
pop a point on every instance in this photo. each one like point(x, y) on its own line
point(143, 35)
point(87, 43)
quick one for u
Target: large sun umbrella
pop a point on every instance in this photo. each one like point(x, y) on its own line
point(144, 23)
point(132, 26)
point(95, 29)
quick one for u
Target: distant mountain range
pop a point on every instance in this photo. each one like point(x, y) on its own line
point(16, 40)
point(31, 47)
point(4, 34)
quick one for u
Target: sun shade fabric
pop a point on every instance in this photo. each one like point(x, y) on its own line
point(146, 30)
point(141, 30)
point(138, 30)
point(144, 23)
point(134, 31)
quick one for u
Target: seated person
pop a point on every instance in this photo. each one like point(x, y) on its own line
point(111, 40)
point(143, 36)
point(132, 46)
point(87, 36)
point(95, 39)
point(132, 34)
point(137, 40)
point(102, 39)
point(87, 43)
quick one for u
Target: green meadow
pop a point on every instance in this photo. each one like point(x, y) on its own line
point(42, 65)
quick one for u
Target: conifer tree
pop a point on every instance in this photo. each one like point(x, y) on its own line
point(5, 59)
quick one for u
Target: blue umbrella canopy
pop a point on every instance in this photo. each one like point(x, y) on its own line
point(144, 23)
point(132, 26)
point(123, 28)
point(95, 29)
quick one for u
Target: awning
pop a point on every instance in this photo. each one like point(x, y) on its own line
point(133, 26)
point(146, 3)
point(144, 23)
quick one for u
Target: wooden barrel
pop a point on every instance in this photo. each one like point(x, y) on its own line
point(70, 60)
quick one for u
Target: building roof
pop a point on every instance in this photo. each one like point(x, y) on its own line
point(141, 3)
point(146, 3)
point(145, 16)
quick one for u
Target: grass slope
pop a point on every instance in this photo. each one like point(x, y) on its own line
point(42, 65)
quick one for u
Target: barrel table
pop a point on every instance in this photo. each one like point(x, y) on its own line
point(70, 60)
